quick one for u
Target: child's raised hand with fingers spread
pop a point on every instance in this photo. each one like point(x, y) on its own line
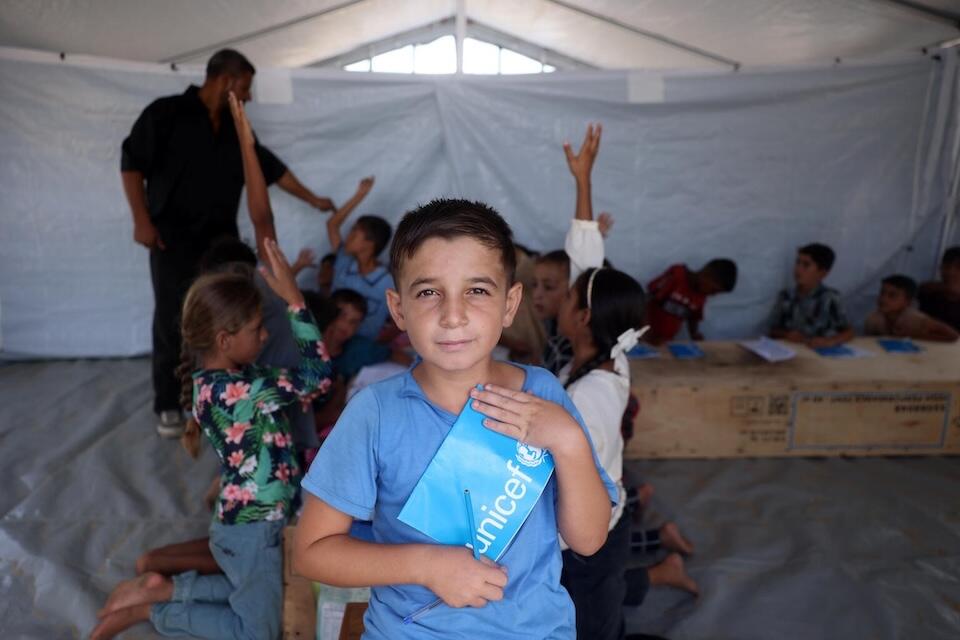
point(279, 276)
point(525, 417)
point(244, 131)
point(305, 259)
point(605, 223)
point(581, 163)
point(461, 581)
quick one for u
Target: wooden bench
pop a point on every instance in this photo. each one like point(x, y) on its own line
point(733, 404)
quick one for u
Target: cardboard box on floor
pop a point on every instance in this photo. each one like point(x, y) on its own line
point(733, 404)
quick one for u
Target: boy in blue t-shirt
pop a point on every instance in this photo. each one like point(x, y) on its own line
point(453, 263)
point(356, 266)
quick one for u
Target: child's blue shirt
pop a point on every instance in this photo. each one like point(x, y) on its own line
point(367, 468)
point(372, 286)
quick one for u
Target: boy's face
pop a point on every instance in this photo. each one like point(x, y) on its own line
point(344, 326)
point(453, 301)
point(325, 276)
point(708, 285)
point(356, 241)
point(806, 273)
point(950, 272)
point(571, 320)
point(550, 284)
point(892, 299)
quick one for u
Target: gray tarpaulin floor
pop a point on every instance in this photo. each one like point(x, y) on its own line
point(786, 548)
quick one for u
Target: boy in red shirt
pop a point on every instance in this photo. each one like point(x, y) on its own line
point(680, 294)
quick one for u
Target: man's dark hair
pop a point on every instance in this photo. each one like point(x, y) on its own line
point(449, 219)
point(821, 254)
point(350, 297)
point(904, 283)
point(377, 230)
point(229, 61)
point(226, 250)
point(724, 272)
point(950, 256)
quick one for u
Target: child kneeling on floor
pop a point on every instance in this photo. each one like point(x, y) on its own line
point(238, 405)
point(453, 264)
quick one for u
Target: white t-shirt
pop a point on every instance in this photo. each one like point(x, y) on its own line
point(584, 246)
point(601, 397)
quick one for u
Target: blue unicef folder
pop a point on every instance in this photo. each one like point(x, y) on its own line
point(505, 479)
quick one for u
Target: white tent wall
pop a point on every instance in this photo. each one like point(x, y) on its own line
point(747, 165)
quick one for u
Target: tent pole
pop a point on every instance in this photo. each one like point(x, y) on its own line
point(187, 55)
point(460, 30)
point(648, 34)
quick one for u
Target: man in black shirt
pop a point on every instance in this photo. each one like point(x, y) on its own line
point(185, 147)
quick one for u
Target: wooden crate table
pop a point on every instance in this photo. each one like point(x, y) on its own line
point(733, 404)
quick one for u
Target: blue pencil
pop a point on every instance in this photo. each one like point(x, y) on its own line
point(472, 522)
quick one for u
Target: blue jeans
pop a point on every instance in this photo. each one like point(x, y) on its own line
point(245, 602)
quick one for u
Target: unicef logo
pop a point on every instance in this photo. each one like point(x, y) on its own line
point(529, 456)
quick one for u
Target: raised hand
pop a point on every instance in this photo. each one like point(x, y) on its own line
point(365, 186)
point(279, 276)
point(524, 416)
point(581, 163)
point(244, 131)
point(605, 223)
point(304, 260)
point(461, 581)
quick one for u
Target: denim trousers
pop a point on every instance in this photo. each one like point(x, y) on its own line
point(245, 602)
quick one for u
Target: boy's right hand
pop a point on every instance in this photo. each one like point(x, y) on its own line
point(461, 581)
point(279, 276)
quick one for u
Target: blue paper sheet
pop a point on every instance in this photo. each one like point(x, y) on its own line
point(505, 478)
point(682, 351)
point(643, 351)
point(891, 345)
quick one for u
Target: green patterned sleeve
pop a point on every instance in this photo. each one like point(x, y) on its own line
point(312, 379)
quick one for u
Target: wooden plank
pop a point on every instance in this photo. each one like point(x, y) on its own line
point(299, 603)
point(733, 404)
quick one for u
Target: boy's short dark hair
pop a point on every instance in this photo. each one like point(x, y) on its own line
point(330, 258)
point(323, 309)
point(905, 283)
point(558, 257)
point(950, 256)
point(821, 254)
point(350, 297)
point(377, 230)
point(448, 219)
point(226, 250)
point(229, 61)
point(724, 273)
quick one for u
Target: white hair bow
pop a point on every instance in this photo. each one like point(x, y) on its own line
point(628, 340)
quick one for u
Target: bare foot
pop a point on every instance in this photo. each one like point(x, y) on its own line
point(671, 538)
point(120, 620)
point(671, 573)
point(146, 589)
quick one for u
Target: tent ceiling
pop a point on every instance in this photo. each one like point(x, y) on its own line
point(655, 34)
